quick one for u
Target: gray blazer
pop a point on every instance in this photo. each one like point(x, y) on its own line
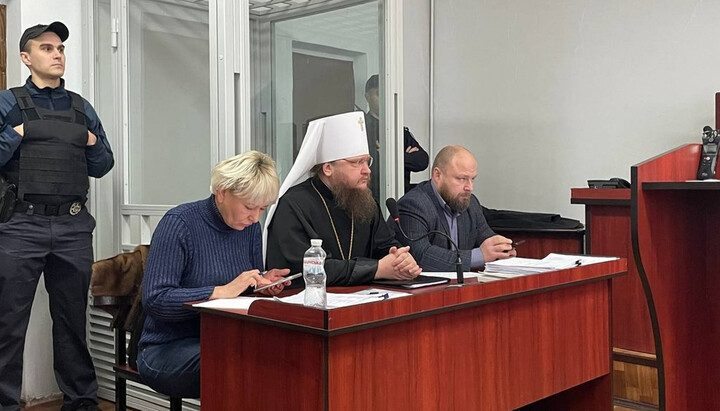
point(420, 212)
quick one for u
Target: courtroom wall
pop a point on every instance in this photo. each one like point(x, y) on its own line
point(549, 94)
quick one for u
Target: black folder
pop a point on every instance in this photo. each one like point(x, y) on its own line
point(417, 282)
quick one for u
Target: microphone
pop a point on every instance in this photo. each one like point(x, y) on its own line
point(708, 158)
point(392, 208)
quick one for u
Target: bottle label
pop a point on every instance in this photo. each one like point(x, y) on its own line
point(313, 263)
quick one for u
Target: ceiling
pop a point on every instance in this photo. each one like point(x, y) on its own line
point(278, 9)
point(359, 22)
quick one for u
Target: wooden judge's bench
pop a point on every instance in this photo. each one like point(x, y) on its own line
point(666, 311)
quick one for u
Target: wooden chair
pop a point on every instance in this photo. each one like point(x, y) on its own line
point(115, 288)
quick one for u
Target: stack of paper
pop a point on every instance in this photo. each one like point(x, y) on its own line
point(517, 266)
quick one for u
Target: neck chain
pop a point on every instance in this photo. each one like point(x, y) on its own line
point(352, 226)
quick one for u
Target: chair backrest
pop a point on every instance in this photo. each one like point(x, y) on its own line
point(116, 288)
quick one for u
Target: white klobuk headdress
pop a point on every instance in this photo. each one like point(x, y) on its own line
point(327, 139)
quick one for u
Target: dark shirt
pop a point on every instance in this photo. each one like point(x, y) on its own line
point(99, 156)
point(301, 216)
point(414, 162)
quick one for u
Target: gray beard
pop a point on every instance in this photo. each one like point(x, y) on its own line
point(357, 202)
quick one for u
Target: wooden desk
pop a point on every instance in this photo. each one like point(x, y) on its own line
point(492, 346)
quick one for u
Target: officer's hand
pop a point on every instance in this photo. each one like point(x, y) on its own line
point(19, 129)
point(92, 139)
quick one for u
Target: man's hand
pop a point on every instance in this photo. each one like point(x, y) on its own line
point(92, 139)
point(398, 265)
point(497, 247)
point(19, 129)
point(274, 275)
point(411, 149)
point(239, 284)
point(404, 264)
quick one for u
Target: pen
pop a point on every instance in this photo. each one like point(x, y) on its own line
point(513, 245)
point(377, 294)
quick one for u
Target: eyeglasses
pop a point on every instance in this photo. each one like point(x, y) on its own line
point(360, 162)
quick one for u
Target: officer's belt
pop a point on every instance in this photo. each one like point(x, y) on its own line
point(72, 208)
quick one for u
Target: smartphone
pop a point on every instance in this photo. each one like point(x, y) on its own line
point(278, 281)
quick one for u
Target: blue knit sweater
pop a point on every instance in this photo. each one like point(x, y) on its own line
point(192, 251)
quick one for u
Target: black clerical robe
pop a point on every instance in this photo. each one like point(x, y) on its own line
point(300, 216)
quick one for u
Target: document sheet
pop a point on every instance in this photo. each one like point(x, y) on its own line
point(337, 300)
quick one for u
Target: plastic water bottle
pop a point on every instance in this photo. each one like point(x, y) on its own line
point(314, 275)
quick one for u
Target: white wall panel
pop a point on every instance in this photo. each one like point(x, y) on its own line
point(550, 94)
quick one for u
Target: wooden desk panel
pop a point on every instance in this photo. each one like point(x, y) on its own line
point(607, 221)
point(497, 345)
point(496, 356)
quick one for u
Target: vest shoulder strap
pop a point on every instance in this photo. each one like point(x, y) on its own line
point(78, 104)
point(25, 102)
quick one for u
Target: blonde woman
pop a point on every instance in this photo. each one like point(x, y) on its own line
point(207, 249)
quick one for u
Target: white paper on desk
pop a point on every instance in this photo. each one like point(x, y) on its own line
point(338, 300)
point(561, 261)
point(518, 265)
point(486, 278)
point(503, 275)
point(239, 303)
point(390, 293)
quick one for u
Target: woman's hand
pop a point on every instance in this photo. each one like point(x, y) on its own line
point(239, 284)
point(274, 275)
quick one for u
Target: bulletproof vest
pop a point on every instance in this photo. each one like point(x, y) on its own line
point(51, 162)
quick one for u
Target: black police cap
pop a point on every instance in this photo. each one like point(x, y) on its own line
point(56, 27)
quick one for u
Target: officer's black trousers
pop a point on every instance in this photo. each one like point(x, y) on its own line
point(61, 248)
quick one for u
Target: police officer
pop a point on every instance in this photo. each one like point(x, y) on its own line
point(51, 140)
point(416, 158)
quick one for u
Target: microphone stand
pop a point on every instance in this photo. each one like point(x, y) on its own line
point(458, 260)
